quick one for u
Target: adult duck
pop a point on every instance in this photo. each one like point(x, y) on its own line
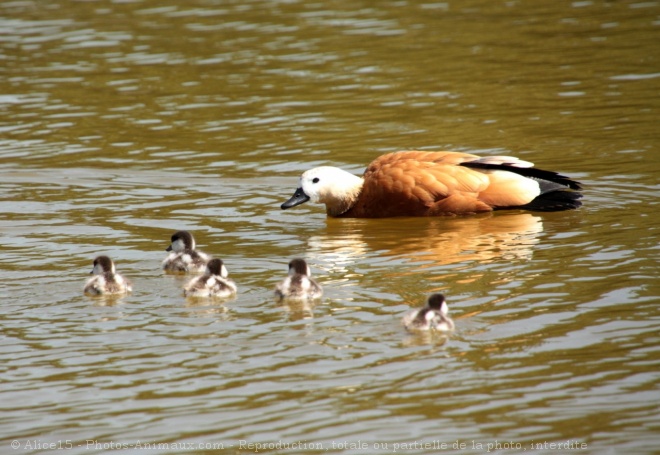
point(416, 183)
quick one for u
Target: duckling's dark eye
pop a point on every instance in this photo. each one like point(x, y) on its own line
point(315, 180)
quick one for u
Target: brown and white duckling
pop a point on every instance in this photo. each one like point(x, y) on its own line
point(214, 282)
point(299, 285)
point(183, 256)
point(106, 279)
point(432, 317)
point(416, 183)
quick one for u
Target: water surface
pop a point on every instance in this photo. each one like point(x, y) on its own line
point(122, 122)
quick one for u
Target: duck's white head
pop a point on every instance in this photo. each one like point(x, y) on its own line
point(328, 185)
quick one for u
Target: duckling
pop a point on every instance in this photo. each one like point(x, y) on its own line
point(183, 256)
point(432, 317)
point(214, 282)
point(415, 183)
point(299, 285)
point(106, 280)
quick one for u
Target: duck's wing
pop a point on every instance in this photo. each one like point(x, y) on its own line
point(431, 183)
point(417, 183)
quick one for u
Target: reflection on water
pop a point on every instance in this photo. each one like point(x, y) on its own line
point(439, 241)
point(122, 122)
point(105, 300)
point(298, 309)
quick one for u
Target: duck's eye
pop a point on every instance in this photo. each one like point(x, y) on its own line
point(315, 180)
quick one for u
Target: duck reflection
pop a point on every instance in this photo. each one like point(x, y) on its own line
point(208, 307)
point(106, 299)
point(297, 310)
point(431, 241)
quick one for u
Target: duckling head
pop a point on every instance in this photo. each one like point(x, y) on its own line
point(181, 241)
point(299, 267)
point(438, 310)
point(216, 267)
point(102, 265)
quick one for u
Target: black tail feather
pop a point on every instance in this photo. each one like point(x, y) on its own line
point(558, 192)
point(553, 201)
point(531, 172)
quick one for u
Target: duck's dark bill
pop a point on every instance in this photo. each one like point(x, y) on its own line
point(299, 197)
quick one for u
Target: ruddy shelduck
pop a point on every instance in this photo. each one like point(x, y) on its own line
point(416, 183)
point(432, 317)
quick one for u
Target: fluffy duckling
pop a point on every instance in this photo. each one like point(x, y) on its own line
point(299, 285)
point(432, 317)
point(214, 282)
point(183, 256)
point(106, 280)
point(415, 183)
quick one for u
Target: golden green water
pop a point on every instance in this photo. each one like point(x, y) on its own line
point(124, 121)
